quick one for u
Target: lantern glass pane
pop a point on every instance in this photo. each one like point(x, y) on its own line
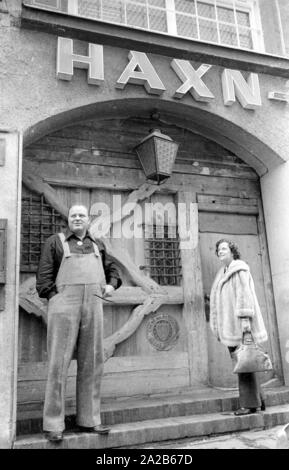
point(146, 154)
point(166, 154)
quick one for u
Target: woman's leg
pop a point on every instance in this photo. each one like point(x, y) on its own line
point(250, 393)
point(249, 390)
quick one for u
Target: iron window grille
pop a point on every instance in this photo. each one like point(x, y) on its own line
point(38, 221)
point(162, 254)
point(232, 23)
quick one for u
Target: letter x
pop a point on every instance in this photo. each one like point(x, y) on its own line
point(191, 79)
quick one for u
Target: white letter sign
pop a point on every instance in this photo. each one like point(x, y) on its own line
point(191, 79)
point(67, 60)
point(141, 72)
point(235, 85)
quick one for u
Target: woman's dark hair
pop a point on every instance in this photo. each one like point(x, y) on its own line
point(233, 247)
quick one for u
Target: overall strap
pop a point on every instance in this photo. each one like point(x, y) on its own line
point(66, 250)
point(95, 248)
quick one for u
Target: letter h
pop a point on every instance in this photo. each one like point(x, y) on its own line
point(67, 60)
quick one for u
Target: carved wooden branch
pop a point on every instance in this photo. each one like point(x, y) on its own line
point(143, 192)
point(150, 305)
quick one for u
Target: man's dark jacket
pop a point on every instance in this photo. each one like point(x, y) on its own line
point(52, 255)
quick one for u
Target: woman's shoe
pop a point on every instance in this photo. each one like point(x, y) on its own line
point(245, 411)
point(263, 405)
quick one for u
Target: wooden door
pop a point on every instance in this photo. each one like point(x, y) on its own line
point(235, 224)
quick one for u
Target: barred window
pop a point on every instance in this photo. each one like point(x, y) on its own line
point(234, 23)
point(38, 221)
point(162, 254)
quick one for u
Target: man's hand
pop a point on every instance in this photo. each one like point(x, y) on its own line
point(245, 325)
point(108, 290)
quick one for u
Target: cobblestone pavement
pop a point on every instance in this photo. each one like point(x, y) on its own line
point(255, 439)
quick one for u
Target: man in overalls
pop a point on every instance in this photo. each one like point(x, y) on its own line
point(73, 273)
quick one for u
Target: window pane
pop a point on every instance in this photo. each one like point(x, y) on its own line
point(185, 6)
point(226, 14)
point(228, 35)
point(136, 15)
point(157, 3)
point(113, 10)
point(186, 26)
point(89, 8)
point(243, 18)
point(208, 30)
point(48, 3)
point(158, 20)
point(245, 37)
point(208, 11)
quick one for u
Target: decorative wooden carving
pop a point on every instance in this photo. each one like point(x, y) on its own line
point(162, 331)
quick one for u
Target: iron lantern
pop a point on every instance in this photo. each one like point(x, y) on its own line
point(157, 153)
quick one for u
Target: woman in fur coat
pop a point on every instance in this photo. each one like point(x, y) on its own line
point(234, 310)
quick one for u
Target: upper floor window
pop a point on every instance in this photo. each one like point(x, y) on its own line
point(233, 23)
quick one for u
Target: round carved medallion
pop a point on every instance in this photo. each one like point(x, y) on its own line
point(162, 331)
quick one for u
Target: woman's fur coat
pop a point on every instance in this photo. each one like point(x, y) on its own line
point(233, 297)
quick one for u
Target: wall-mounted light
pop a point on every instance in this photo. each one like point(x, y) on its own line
point(157, 153)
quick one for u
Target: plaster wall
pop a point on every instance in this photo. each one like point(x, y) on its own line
point(284, 16)
point(271, 27)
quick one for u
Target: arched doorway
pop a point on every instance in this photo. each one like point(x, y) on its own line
point(92, 160)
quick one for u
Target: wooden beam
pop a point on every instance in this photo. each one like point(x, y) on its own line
point(269, 296)
point(127, 295)
point(193, 310)
point(230, 209)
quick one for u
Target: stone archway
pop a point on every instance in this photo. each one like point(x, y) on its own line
point(206, 123)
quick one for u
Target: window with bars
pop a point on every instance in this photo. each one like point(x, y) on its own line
point(38, 221)
point(162, 254)
point(234, 23)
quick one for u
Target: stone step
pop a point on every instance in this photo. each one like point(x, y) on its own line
point(208, 400)
point(160, 430)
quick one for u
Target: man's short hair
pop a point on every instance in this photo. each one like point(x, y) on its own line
point(78, 204)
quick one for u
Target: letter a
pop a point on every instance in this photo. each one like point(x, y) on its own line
point(145, 75)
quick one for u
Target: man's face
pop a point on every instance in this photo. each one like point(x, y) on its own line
point(78, 220)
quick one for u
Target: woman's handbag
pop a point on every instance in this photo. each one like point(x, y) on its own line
point(250, 357)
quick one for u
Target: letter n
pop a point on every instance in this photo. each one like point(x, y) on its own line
point(247, 92)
